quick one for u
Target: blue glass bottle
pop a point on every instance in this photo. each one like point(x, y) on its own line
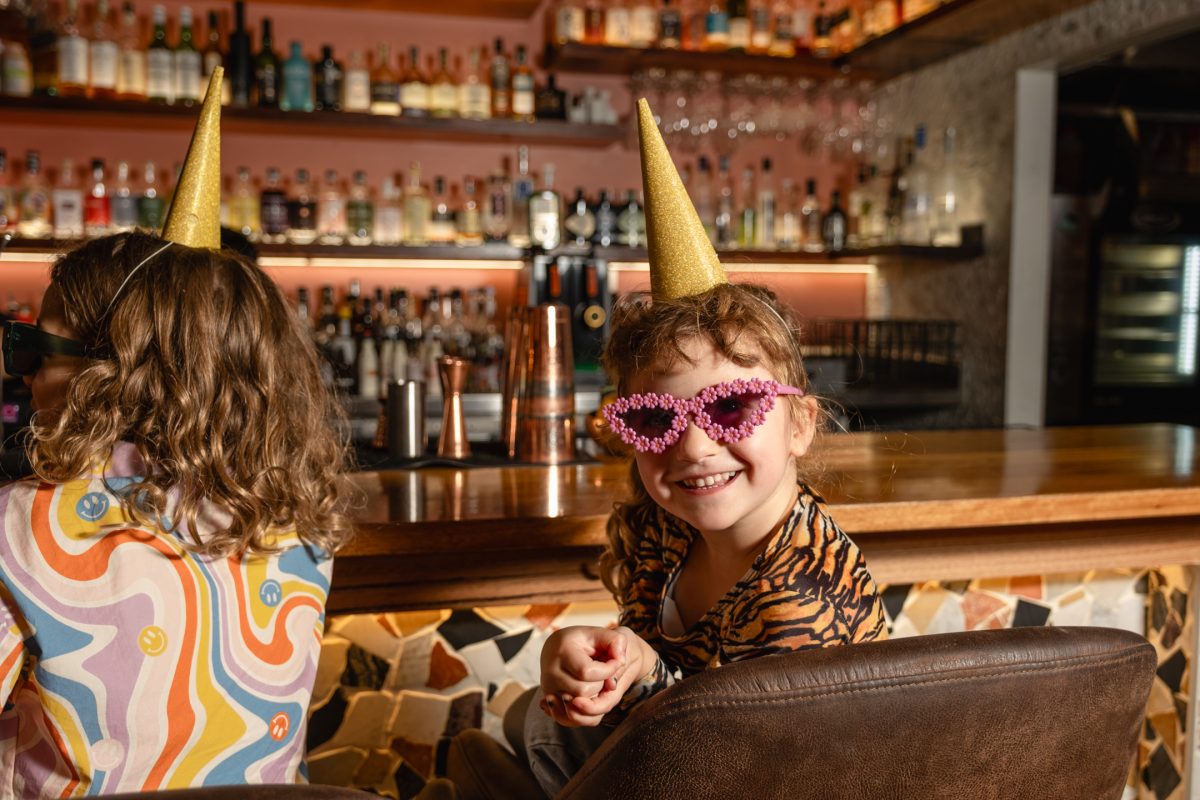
point(297, 92)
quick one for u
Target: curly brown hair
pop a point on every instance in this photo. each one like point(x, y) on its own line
point(203, 366)
point(745, 323)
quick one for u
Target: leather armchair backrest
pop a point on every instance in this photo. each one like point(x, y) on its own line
point(987, 715)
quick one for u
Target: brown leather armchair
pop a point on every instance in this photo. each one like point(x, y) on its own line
point(996, 715)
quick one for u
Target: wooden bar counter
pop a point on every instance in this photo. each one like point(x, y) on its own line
point(929, 505)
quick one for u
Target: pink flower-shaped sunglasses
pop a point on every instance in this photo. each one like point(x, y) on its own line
point(727, 412)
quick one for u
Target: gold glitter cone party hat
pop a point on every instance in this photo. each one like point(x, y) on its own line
point(195, 216)
point(682, 259)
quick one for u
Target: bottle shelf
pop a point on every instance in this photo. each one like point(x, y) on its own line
point(499, 251)
point(952, 28)
point(606, 60)
point(69, 111)
point(492, 9)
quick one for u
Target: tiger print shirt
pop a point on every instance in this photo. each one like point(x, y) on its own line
point(809, 588)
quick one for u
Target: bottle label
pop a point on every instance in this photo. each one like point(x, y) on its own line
point(18, 75)
point(268, 84)
point(358, 91)
point(475, 100)
point(68, 213)
point(671, 27)
point(414, 96)
point(360, 216)
point(72, 60)
point(150, 213)
point(444, 99)
point(104, 65)
point(739, 33)
point(522, 96)
point(543, 225)
point(274, 214)
point(34, 207)
point(716, 24)
point(188, 66)
point(568, 24)
point(160, 75)
point(131, 74)
point(97, 212)
point(124, 211)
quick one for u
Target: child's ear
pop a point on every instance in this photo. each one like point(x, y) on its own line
point(804, 425)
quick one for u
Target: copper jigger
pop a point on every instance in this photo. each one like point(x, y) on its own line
point(515, 358)
point(452, 441)
point(546, 426)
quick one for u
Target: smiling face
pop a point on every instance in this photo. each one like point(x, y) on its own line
point(736, 492)
point(49, 384)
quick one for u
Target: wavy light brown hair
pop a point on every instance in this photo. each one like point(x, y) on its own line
point(745, 323)
point(204, 367)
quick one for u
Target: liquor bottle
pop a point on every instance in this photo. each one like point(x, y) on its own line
point(151, 205)
point(810, 220)
point(241, 67)
point(789, 230)
point(946, 231)
point(442, 228)
point(160, 62)
point(764, 224)
point(33, 201)
point(580, 222)
point(545, 213)
point(702, 194)
point(9, 210)
point(522, 190)
point(897, 190)
point(389, 214)
point(16, 70)
point(670, 27)
point(915, 225)
point(213, 58)
point(716, 28)
point(331, 210)
point(725, 228)
point(522, 88)
point(302, 310)
point(643, 24)
point(297, 91)
point(385, 85)
point(416, 208)
point(103, 56)
point(760, 26)
point(739, 25)
point(122, 202)
point(783, 40)
point(497, 208)
point(877, 220)
point(43, 51)
point(822, 39)
point(550, 102)
point(189, 66)
point(67, 199)
point(593, 22)
point(302, 211)
point(329, 80)
point(470, 220)
point(858, 209)
point(501, 102)
point(360, 212)
point(568, 22)
point(606, 221)
point(616, 24)
point(273, 209)
point(834, 229)
point(72, 54)
point(356, 84)
point(97, 206)
point(747, 212)
point(475, 92)
point(443, 88)
point(414, 88)
point(631, 222)
point(266, 73)
point(244, 206)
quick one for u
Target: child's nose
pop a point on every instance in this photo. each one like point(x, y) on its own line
point(695, 443)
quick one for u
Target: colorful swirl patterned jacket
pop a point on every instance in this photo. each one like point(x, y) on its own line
point(809, 588)
point(129, 662)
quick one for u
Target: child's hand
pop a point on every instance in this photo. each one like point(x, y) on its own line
point(586, 671)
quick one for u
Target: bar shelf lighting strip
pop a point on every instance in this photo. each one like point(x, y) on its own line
point(1185, 363)
point(827, 268)
point(387, 263)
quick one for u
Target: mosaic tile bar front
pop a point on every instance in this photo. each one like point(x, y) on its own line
point(392, 688)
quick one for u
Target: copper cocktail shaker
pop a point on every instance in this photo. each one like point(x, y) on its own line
point(546, 417)
point(516, 359)
point(452, 442)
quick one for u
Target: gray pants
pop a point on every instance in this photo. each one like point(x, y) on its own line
point(554, 753)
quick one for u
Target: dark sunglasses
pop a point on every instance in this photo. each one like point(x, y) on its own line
point(26, 345)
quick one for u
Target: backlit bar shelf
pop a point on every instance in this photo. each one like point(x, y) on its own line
point(119, 114)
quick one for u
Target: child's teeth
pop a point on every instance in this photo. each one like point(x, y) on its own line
point(709, 480)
